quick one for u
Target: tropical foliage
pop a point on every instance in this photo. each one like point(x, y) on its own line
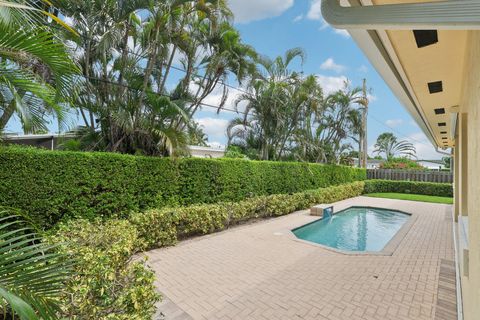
point(32, 274)
point(148, 67)
point(389, 145)
point(145, 70)
point(36, 72)
point(287, 115)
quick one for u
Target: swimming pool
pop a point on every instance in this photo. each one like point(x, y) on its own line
point(354, 229)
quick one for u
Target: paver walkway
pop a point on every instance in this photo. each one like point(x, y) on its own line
point(260, 271)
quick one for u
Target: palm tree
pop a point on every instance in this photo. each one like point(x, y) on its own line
point(268, 104)
point(32, 275)
point(335, 121)
point(36, 72)
point(388, 144)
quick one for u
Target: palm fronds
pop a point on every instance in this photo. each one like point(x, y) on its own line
point(31, 272)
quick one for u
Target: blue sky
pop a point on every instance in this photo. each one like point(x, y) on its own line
point(274, 26)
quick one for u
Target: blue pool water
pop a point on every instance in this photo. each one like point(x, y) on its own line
point(354, 229)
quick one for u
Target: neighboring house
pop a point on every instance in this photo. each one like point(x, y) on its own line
point(51, 141)
point(371, 163)
point(46, 141)
point(428, 52)
point(432, 164)
point(206, 152)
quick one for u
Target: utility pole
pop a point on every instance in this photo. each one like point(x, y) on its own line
point(364, 126)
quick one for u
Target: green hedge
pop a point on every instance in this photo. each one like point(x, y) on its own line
point(163, 227)
point(54, 185)
point(413, 187)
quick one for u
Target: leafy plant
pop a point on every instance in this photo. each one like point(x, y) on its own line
point(108, 282)
point(32, 273)
point(36, 72)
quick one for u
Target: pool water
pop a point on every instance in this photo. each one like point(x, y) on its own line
point(354, 229)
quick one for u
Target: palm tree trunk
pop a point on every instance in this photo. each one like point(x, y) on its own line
point(7, 114)
point(167, 69)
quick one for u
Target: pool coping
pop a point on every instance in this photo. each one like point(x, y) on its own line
point(388, 249)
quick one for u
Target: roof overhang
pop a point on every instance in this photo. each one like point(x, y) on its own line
point(383, 29)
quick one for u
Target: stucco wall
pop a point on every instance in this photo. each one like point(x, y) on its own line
point(471, 106)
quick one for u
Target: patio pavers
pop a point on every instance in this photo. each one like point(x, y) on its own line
point(260, 271)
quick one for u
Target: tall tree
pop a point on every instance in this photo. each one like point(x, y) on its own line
point(389, 145)
point(269, 106)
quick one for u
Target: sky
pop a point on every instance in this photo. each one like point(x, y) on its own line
point(274, 26)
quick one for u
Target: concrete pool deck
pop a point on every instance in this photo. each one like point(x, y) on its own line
point(259, 271)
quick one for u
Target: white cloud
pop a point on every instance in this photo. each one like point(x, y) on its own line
point(394, 122)
point(363, 68)
point(251, 10)
point(298, 18)
point(330, 64)
point(315, 13)
point(425, 149)
point(331, 84)
point(214, 127)
point(371, 97)
point(342, 32)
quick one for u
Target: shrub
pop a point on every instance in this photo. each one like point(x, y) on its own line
point(107, 284)
point(414, 187)
point(156, 227)
point(401, 163)
point(163, 227)
point(59, 185)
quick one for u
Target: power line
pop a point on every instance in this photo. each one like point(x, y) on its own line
point(160, 94)
point(397, 132)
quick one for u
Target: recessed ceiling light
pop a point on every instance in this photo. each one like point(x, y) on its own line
point(435, 87)
point(425, 37)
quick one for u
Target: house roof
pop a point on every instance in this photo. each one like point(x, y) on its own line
point(423, 67)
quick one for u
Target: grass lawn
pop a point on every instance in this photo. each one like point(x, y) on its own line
point(412, 197)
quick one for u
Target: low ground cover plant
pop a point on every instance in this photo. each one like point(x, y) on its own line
point(163, 227)
point(107, 283)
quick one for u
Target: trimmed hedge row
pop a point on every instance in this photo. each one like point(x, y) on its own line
point(163, 227)
point(413, 187)
point(56, 185)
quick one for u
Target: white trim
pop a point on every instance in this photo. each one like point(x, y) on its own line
point(448, 14)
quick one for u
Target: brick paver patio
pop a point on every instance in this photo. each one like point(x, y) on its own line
point(260, 271)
